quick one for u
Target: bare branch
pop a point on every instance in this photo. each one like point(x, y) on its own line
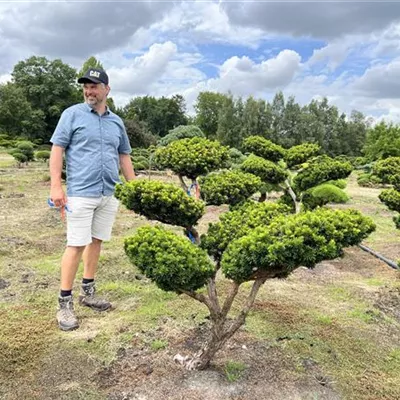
point(239, 320)
point(229, 299)
point(183, 184)
point(293, 196)
point(212, 294)
point(201, 298)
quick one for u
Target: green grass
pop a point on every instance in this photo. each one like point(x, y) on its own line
point(158, 344)
point(234, 370)
point(333, 322)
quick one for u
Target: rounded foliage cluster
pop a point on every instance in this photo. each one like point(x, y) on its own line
point(266, 170)
point(171, 261)
point(299, 154)
point(292, 241)
point(164, 202)
point(181, 132)
point(193, 157)
point(237, 223)
point(323, 194)
point(391, 198)
point(263, 148)
point(23, 151)
point(321, 169)
point(388, 170)
point(43, 155)
point(228, 187)
point(236, 157)
point(368, 179)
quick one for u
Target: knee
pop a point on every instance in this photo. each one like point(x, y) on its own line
point(76, 249)
point(96, 241)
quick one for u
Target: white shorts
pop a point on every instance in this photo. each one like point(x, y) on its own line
point(90, 217)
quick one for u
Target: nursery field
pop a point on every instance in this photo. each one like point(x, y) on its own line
point(328, 333)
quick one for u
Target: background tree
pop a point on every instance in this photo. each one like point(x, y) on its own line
point(383, 141)
point(181, 132)
point(49, 87)
point(139, 134)
point(208, 106)
point(17, 118)
point(160, 115)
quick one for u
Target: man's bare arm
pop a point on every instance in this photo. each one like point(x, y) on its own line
point(125, 163)
point(57, 194)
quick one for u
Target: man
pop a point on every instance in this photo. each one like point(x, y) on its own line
point(96, 146)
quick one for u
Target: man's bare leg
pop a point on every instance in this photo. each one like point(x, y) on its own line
point(91, 257)
point(87, 297)
point(69, 265)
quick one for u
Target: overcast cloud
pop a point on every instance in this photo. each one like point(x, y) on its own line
point(346, 51)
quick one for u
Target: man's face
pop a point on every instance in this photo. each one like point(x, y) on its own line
point(95, 93)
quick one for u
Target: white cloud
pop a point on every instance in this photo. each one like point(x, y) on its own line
point(242, 76)
point(380, 81)
point(143, 71)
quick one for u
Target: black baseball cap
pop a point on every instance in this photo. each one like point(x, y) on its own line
point(94, 75)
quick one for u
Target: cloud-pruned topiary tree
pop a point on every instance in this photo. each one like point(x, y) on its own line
point(388, 171)
point(251, 243)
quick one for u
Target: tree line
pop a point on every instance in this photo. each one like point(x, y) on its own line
point(40, 89)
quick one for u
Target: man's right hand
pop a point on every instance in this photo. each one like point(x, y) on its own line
point(58, 197)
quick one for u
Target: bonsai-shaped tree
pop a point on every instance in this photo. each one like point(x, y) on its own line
point(311, 187)
point(389, 171)
point(252, 242)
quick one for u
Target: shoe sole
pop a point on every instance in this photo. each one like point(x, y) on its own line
point(67, 328)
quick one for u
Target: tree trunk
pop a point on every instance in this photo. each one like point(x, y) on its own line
point(263, 197)
point(293, 196)
point(221, 329)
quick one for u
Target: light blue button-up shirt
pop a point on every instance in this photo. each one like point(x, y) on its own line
point(92, 145)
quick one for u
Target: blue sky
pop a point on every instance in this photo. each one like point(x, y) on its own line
point(348, 52)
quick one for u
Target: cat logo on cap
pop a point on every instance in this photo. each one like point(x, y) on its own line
point(96, 74)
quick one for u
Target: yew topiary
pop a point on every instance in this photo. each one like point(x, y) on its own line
point(319, 170)
point(263, 148)
point(299, 154)
point(228, 187)
point(275, 250)
point(193, 157)
point(238, 222)
point(323, 194)
point(162, 201)
point(171, 261)
point(266, 170)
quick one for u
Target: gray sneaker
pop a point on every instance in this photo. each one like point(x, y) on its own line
point(88, 298)
point(66, 318)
